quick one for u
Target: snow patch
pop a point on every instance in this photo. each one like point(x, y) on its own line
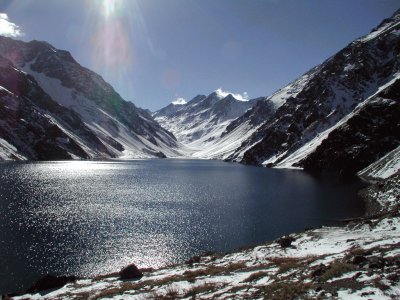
point(9, 152)
point(309, 147)
point(179, 101)
point(241, 97)
point(384, 167)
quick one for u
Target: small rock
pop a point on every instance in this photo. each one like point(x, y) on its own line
point(193, 260)
point(376, 263)
point(359, 259)
point(321, 269)
point(286, 241)
point(130, 272)
point(393, 277)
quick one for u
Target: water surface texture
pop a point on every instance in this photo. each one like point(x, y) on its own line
point(88, 218)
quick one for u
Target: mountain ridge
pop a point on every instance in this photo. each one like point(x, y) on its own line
point(200, 121)
point(300, 119)
point(296, 127)
point(122, 130)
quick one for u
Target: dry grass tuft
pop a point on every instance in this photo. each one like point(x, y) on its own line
point(255, 276)
point(337, 269)
point(287, 290)
point(172, 293)
point(213, 270)
point(287, 263)
point(200, 289)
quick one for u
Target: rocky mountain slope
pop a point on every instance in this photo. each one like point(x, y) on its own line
point(339, 117)
point(53, 108)
point(369, 132)
point(352, 94)
point(199, 123)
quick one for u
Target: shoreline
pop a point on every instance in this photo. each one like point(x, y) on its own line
point(369, 217)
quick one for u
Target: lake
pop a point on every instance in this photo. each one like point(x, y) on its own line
point(94, 217)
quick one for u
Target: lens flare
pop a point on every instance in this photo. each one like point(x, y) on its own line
point(111, 42)
point(111, 7)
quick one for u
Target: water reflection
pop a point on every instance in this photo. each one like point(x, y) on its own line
point(89, 218)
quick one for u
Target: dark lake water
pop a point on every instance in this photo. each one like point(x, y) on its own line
point(88, 218)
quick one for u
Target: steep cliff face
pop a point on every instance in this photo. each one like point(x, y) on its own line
point(108, 125)
point(371, 131)
point(345, 88)
point(33, 126)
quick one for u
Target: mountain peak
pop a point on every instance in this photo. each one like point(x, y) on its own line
point(222, 94)
point(387, 22)
point(67, 102)
point(179, 101)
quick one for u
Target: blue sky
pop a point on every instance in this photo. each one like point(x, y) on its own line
point(155, 51)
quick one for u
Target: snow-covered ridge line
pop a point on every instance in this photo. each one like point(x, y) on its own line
point(200, 123)
point(292, 89)
point(97, 122)
point(287, 127)
point(384, 29)
point(325, 99)
point(383, 168)
point(290, 161)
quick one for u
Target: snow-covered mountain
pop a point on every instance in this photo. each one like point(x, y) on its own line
point(339, 117)
point(53, 108)
point(199, 123)
point(366, 134)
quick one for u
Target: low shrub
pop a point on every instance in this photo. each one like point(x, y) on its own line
point(337, 269)
point(199, 289)
point(255, 276)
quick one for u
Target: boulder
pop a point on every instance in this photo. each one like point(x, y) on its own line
point(193, 260)
point(130, 272)
point(286, 241)
point(359, 259)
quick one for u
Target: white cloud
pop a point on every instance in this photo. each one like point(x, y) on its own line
point(179, 101)
point(8, 28)
point(241, 97)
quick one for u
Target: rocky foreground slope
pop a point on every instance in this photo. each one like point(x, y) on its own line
point(53, 108)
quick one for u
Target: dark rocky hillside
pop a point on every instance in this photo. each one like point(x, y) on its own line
point(370, 133)
point(62, 110)
point(311, 107)
point(38, 135)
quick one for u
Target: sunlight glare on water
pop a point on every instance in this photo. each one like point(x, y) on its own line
point(89, 218)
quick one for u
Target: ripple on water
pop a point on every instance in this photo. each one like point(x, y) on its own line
point(89, 218)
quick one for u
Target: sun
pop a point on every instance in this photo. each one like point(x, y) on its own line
point(111, 8)
point(112, 42)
